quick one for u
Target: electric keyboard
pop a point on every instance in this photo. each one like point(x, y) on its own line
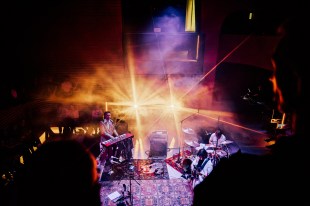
point(115, 140)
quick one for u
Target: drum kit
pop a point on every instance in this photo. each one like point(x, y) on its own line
point(216, 153)
point(219, 152)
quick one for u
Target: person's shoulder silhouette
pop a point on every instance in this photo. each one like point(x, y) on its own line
point(60, 172)
point(279, 177)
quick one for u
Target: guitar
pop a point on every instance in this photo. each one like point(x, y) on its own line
point(196, 172)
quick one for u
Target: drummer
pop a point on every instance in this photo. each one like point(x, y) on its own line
point(217, 138)
point(216, 141)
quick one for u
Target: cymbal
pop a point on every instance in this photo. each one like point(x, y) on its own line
point(188, 130)
point(209, 145)
point(205, 146)
point(191, 143)
point(199, 148)
point(227, 142)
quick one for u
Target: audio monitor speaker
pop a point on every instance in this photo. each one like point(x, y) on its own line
point(158, 144)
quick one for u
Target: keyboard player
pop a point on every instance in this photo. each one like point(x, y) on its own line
point(108, 131)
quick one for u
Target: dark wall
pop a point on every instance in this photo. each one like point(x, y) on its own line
point(233, 81)
point(62, 35)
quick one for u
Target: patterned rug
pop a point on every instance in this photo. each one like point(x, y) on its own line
point(137, 169)
point(150, 192)
point(176, 160)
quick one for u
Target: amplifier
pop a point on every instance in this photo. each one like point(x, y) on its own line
point(158, 144)
point(159, 134)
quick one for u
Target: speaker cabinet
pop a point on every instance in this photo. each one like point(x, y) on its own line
point(158, 144)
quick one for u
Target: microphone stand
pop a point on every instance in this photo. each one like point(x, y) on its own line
point(130, 173)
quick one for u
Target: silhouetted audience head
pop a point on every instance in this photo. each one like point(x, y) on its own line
point(202, 153)
point(290, 80)
point(60, 172)
point(279, 177)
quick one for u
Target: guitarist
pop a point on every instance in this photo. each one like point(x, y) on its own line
point(201, 166)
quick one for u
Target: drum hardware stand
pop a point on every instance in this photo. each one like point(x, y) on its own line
point(226, 150)
point(216, 158)
point(179, 156)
